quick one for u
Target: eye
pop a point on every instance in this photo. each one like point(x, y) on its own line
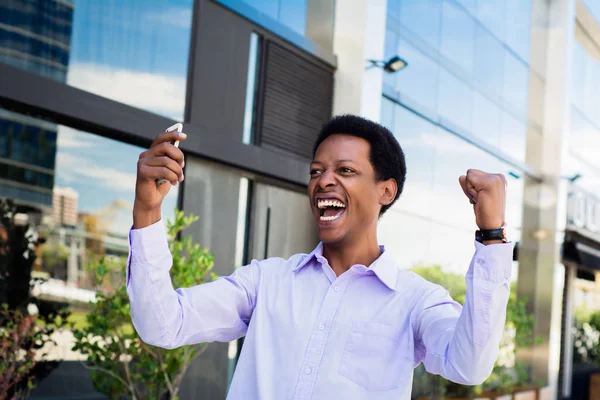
point(346, 170)
point(314, 172)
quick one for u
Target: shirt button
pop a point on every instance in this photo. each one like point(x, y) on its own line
point(308, 371)
point(337, 289)
point(321, 327)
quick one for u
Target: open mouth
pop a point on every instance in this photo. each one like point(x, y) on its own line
point(330, 209)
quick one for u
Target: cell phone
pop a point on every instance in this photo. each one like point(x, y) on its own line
point(177, 127)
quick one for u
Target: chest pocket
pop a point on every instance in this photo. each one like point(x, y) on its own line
point(376, 356)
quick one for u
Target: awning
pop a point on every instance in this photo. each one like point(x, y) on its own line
point(585, 255)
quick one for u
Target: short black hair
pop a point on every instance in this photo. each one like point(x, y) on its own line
point(386, 156)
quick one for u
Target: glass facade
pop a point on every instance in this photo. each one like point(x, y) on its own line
point(135, 52)
point(306, 23)
point(467, 77)
point(584, 135)
point(466, 66)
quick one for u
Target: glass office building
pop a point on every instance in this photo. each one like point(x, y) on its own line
point(85, 86)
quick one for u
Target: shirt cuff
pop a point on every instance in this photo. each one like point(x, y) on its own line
point(493, 262)
point(146, 244)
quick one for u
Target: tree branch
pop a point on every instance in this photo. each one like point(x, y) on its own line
point(109, 372)
point(125, 363)
point(167, 379)
point(188, 361)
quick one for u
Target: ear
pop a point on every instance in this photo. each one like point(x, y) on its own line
point(387, 191)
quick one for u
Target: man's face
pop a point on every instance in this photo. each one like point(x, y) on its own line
point(345, 196)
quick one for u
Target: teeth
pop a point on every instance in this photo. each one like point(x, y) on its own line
point(333, 217)
point(330, 203)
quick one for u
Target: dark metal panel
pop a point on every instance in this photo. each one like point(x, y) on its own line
point(44, 98)
point(297, 101)
point(220, 68)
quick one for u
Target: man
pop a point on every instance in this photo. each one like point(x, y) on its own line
point(343, 322)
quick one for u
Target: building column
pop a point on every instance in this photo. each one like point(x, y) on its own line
point(539, 253)
point(359, 35)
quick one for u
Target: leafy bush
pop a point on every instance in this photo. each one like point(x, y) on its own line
point(121, 363)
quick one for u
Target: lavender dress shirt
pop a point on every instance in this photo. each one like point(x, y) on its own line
point(312, 335)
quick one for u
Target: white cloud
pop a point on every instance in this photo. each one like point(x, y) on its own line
point(74, 168)
point(177, 17)
point(158, 93)
point(69, 138)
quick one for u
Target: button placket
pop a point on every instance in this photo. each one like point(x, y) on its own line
point(318, 339)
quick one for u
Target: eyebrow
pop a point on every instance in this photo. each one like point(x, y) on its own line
point(339, 161)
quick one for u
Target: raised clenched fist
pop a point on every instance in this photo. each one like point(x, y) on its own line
point(487, 193)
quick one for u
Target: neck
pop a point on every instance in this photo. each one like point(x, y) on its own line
point(341, 256)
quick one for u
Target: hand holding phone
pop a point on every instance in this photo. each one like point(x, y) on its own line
point(162, 162)
point(177, 127)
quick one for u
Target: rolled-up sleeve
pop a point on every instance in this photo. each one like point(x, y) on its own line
point(165, 317)
point(462, 343)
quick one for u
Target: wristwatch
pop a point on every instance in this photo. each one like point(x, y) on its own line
point(491, 234)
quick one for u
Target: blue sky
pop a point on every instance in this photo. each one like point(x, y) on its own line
point(143, 35)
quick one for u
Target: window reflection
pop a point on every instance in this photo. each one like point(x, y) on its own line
point(469, 5)
point(420, 81)
point(584, 139)
point(458, 35)
point(455, 100)
point(486, 119)
point(491, 13)
point(578, 76)
point(135, 52)
point(423, 17)
point(81, 207)
point(516, 79)
point(417, 137)
point(489, 61)
point(513, 137)
point(518, 26)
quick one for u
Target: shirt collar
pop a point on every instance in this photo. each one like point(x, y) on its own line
point(384, 267)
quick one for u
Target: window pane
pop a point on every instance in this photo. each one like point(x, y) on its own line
point(469, 5)
point(251, 88)
point(293, 14)
point(518, 26)
point(420, 80)
point(584, 140)
point(591, 86)
point(578, 75)
point(455, 100)
point(423, 17)
point(489, 61)
point(417, 138)
point(135, 52)
point(516, 79)
point(491, 14)
point(486, 120)
point(458, 34)
point(513, 138)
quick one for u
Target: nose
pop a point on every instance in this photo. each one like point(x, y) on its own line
point(327, 180)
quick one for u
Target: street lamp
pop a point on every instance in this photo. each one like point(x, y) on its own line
point(392, 65)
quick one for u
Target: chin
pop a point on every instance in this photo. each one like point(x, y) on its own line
point(330, 236)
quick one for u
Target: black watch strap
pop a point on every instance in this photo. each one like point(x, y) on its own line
point(491, 234)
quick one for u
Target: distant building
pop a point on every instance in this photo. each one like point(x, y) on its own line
point(64, 206)
point(35, 35)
